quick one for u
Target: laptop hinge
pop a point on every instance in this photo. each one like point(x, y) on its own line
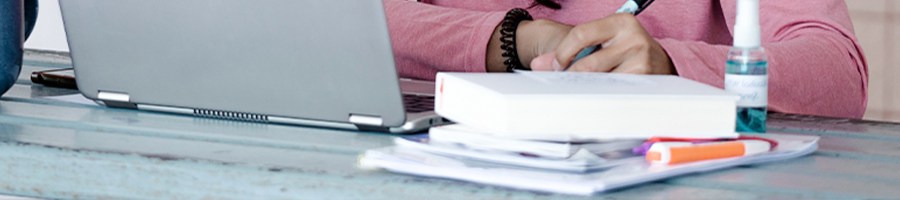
point(368, 123)
point(116, 99)
point(366, 120)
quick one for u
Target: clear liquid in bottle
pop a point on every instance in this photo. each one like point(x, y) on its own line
point(746, 74)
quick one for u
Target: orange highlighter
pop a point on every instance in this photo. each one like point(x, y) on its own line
point(682, 152)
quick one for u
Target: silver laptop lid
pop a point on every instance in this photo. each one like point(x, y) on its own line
point(308, 59)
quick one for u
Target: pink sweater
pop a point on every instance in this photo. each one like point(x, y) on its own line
point(816, 66)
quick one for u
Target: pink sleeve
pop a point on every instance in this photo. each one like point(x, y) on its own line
point(427, 38)
point(816, 66)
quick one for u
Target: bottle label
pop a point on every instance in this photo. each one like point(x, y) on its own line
point(754, 89)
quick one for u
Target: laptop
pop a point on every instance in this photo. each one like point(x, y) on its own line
point(303, 62)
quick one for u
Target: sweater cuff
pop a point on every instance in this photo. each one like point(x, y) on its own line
point(479, 39)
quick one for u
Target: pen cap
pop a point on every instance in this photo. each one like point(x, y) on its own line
point(746, 27)
point(629, 7)
point(753, 147)
point(660, 152)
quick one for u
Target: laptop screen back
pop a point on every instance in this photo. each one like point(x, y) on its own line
point(309, 59)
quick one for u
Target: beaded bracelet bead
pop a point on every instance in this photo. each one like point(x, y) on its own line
point(508, 37)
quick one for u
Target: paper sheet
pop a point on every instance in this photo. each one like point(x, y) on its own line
point(589, 78)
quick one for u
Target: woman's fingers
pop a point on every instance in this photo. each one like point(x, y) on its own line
point(633, 66)
point(545, 63)
point(535, 38)
point(626, 48)
point(604, 60)
point(589, 34)
point(584, 35)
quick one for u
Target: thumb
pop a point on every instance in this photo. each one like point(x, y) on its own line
point(546, 62)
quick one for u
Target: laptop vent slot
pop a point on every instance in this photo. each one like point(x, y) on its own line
point(231, 115)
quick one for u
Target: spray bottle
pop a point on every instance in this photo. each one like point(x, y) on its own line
point(746, 71)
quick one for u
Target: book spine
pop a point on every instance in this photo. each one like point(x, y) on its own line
point(467, 103)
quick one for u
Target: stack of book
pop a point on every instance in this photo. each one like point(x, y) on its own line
point(576, 157)
point(565, 132)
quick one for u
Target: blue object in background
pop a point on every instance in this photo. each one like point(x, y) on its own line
point(17, 18)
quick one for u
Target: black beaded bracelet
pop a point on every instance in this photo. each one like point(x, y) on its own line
point(508, 37)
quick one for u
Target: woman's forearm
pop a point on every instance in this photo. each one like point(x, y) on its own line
point(427, 39)
point(493, 54)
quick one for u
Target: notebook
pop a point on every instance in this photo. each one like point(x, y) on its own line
point(583, 160)
point(314, 63)
point(461, 135)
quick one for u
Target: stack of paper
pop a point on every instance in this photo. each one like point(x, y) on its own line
point(568, 132)
point(470, 138)
point(582, 160)
point(635, 171)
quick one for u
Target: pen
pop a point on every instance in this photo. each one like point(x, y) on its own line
point(632, 6)
point(682, 152)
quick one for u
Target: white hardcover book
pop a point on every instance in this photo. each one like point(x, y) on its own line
point(557, 105)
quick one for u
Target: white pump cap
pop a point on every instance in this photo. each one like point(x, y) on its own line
point(746, 27)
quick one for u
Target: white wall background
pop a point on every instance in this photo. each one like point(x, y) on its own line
point(48, 32)
point(877, 26)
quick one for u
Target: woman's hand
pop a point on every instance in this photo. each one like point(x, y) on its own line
point(626, 48)
point(533, 38)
